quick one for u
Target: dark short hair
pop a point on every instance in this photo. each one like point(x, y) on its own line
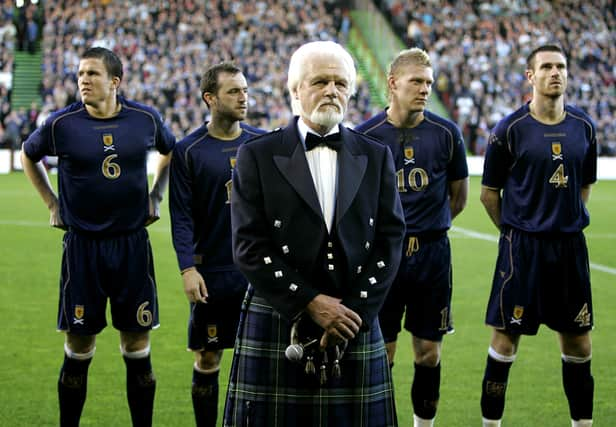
point(112, 63)
point(209, 79)
point(530, 59)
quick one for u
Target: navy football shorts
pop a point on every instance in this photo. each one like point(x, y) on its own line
point(213, 325)
point(541, 279)
point(96, 269)
point(422, 289)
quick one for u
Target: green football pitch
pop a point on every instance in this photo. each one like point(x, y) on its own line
point(31, 349)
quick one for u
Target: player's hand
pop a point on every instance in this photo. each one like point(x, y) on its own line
point(194, 286)
point(153, 210)
point(54, 217)
point(339, 322)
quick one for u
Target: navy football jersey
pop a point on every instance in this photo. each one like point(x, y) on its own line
point(427, 157)
point(541, 170)
point(102, 164)
point(199, 197)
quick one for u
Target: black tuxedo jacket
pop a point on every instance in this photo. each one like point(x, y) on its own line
point(279, 234)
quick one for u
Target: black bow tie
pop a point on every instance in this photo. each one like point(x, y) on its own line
point(333, 141)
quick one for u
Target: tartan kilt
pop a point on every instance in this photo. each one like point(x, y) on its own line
point(265, 389)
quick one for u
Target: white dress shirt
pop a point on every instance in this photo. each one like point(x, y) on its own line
point(323, 164)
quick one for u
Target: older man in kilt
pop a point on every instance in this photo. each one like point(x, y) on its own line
point(317, 230)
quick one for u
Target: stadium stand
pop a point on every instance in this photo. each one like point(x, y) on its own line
point(479, 49)
point(7, 47)
point(166, 46)
point(19, 35)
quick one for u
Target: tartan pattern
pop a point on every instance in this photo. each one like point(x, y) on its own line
point(265, 389)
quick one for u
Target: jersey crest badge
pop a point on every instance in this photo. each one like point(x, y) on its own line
point(232, 162)
point(108, 142)
point(409, 155)
point(557, 151)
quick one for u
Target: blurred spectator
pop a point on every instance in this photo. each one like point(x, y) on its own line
point(479, 51)
point(28, 20)
point(12, 130)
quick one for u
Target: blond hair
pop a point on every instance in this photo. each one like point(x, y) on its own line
point(413, 56)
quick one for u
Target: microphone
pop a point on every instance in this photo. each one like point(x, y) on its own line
point(295, 352)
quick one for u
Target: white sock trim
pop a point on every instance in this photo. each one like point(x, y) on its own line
point(575, 359)
point(490, 423)
point(581, 423)
point(139, 354)
point(78, 356)
point(422, 422)
point(500, 357)
point(205, 371)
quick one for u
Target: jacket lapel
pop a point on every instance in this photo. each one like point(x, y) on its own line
point(351, 169)
point(294, 167)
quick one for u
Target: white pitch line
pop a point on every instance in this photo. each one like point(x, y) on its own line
point(493, 238)
point(463, 231)
point(475, 234)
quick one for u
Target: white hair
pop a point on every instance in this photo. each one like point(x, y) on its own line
point(305, 52)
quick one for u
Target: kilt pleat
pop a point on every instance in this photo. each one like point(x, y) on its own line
point(265, 389)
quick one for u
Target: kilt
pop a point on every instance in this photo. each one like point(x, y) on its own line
point(265, 389)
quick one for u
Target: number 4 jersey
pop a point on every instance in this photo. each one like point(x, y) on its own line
point(541, 169)
point(427, 157)
point(102, 173)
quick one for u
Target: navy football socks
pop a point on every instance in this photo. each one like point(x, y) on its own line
point(72, 388)
point(493, 389)
point(425, 390)
point(579, 389)
point(140, 389)
point(205, 398)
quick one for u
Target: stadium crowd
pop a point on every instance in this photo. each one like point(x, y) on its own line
point(479, 50)
point(19, 30)
point(7, 46)
point(168, 45)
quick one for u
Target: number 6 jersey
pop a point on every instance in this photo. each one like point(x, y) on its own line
point(102, 174)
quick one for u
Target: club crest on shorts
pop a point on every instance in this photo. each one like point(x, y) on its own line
point(518, 312)
point(78, 313)
point(212, 334)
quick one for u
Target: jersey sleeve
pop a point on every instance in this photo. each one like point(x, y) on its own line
point(498, 159)
point(457, 168)
point(165, 140)
point(39, 144)
point(180, 209)
point(589, 174)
